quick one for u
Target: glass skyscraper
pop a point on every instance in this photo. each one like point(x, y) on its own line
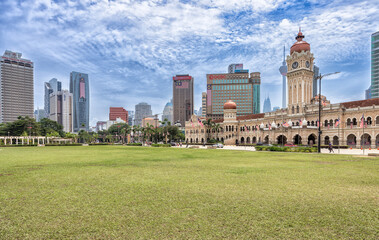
point(79, 87)
point(375, 65)
point(51, 86)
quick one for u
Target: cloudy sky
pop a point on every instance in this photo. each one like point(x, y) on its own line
point(131, 49)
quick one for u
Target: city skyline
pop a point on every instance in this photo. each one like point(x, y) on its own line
point(135, 67)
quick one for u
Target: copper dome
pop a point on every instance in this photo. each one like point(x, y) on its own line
point(230, 105)
point(300, 45)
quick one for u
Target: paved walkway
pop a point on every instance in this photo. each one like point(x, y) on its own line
point(323, 150)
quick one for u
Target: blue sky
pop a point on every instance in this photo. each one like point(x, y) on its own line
point(131, 49)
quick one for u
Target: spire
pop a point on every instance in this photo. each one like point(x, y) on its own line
point(284, 52)
point(299, 36)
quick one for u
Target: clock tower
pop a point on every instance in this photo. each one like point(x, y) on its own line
point(300, 75)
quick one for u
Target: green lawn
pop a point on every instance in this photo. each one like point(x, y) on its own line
point(108, 192)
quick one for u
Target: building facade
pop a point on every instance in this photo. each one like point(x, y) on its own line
point(16, 87)
point(238, 87)
point(51, 86)
point(148, 121)
point(375, 65)
point(182, 87)
point(368, 93)
point(203, 108)
point(355, 124)
point(142, 110)
point(61, 109)
point(39, 114)
point(118, 112)
point(130, 117)
point(168, 112)
point(79, 87)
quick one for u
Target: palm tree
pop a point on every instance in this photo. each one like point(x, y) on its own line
point(217, 128)
point(124, 132)
point(208, 124)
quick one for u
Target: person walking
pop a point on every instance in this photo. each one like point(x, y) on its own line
point(330, 148)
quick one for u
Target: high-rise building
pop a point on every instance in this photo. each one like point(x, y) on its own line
point(182, 86)
point(16, 87)
point(39, 114)
point(368, 93)
point(142, 110)
point(375, 65)
point(61, 109)
point(283, 72)
point(236, 67)
point(316, 73)
point(130, 117)
point(168, 112)
point(238, 87)
point(51, 86)
point(203, 108)
point(267, 105)
point(79, 87)
point(118, 112)
point(275, 108)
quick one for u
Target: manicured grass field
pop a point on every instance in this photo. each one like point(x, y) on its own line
point(108, 192)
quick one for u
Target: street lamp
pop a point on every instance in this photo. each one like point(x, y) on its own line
point(319, 110)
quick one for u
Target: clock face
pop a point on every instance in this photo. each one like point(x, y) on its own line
point(307, 64)
point(295, 65)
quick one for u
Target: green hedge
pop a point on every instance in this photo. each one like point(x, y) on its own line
point(286, 149)
point(160, 145)
point(134, 144)
point(97, 144)
point(14, 145)
point(62, 145)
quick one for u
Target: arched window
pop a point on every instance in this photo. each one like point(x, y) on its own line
point(354, 121)
point(326, 123)
point(297, 109)
point(293, 109)
point(369, 121)
point(348, 122)
point(377, 120)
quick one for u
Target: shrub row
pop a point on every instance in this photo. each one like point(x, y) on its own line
point(14, 145)
point(286, 149)
point(62, 145)
point(134, 144)
point(96, 144)
point(160, 145)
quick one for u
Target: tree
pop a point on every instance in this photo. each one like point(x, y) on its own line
point(217, 128)
point(21, 125)
point(116, 128)
point(49, 126)
point(208, 124)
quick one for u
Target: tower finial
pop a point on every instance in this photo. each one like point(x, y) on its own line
point(299, 29)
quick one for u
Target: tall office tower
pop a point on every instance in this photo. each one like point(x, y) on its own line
point(238, 87)
point(368, 93)
point(203, 108)
point(375, 65)
point(16, 87)
point(182, 87)
point(255, 78)
point(51, 86)
point(142, 110)
point(79, 87)
point(118, 112)
point(267, 105)
point(316, 72)
point(130, 117)
point(235, 67)
point(61, 109)
point(283, 71)
point(168, 112)
point(39, 114)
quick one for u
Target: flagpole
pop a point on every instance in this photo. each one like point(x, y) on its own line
point(363, 135)
point(339, 122)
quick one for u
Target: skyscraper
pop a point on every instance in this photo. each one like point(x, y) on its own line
point(118, 112)
point(51, 86)
point(61, 109)
point(130, 117)
point(267, 105)
point(316, 72)
point(143, 110)
point(238, 87)
point(182, 86)
point(375, 65)
point(16, 87)
point(283, 71)
point(79, 87)
point(368, 93)
point(39, 114)
point(168, 112)
point(203, 108)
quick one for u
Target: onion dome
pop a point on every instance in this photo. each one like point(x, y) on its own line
point(230, 105)
point(300, 45)
point(273, 124)
point(262, 126)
